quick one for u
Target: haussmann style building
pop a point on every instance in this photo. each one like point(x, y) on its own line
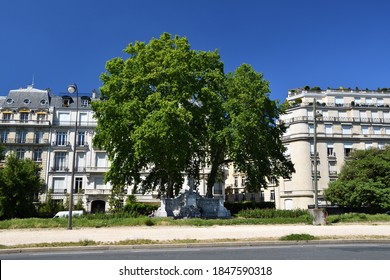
point(344, 119)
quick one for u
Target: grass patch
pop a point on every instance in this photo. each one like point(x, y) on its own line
point(358, 218)
point(247, 217)
point(298, 237)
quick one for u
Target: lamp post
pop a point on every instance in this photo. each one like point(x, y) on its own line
point(72, 89)
point(316, 115)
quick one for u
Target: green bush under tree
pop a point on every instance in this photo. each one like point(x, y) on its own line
point(364, 181)
point(20, 184)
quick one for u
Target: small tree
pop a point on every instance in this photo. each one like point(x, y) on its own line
point(364, 180)
point(20, 184)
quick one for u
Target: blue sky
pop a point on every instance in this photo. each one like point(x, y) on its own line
point(294, 43)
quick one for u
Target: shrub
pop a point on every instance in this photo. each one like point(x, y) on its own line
point(236, 207)
point(298, 237)
point(272, 213)
point(136, 209)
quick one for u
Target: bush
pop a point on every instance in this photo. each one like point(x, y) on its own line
point(272, 213)
point(136, 209)
point(236, 207)
point(298, 237)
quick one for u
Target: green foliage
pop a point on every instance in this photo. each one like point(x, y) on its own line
point(273, 213)
point(358, 218)
point(364, 181)
point(49, 208)
point(298, 237)
point(236, 207)
point(79, 205)
point(136, 209)
point(20, 184)
point(171, 110)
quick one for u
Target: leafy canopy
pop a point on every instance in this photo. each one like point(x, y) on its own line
point(364, 180)
point(172, 110)
point(19, 186)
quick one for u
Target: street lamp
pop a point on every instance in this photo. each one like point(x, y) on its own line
point(316, 115)
point(72, 89)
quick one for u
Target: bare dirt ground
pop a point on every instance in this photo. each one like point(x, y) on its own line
point(11, 237)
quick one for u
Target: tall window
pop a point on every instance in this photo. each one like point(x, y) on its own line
point(60, 161)
point(21, 136)
point(3, 136)
point(23, 117)
point(328, 128)
point(330, 150)
point(38, 138)
point(81, 138)
point(61, 138)
point(80, 162)
point(64, 118)
point(272, 198)
point(347, 129)
point(79, 185)
point(83, 118)
point(365, 130)
point(347, 149)
point(101, 160)
point(6, 117)
point(20, 153)
point(37, 156)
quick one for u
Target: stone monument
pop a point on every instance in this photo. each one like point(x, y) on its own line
point(190, 204)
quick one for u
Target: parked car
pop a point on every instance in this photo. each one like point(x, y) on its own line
point(65, 214)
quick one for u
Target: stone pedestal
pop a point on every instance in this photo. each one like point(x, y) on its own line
point(318, 216)
point(190, 204)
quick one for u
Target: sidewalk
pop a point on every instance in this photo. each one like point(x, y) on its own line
point(12, 237)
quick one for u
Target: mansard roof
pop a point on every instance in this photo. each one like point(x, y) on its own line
point(29, 98)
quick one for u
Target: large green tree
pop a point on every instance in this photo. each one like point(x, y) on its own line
point(172, 110)
point(364, 180)
point(20, 184)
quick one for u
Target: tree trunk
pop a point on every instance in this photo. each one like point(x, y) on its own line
point(170, 188)
point(215, 162)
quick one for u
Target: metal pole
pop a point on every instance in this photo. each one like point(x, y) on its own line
point(315, 155)
point(75, 90)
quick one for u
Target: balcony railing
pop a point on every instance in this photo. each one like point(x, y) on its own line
point(24, 122)
point(97, 191)
point(72, 123)
point(95, 169)
point(61, 143)
point(336, 119)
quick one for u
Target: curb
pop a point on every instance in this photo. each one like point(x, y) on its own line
point(193, 245)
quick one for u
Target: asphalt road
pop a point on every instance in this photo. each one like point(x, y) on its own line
point(298, 251)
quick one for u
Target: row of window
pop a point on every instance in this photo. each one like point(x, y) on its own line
point(61, 137)
point(23, 117)
point(363, 114)
point(36, 154)
point(251, 196)
point(347, 129)
point(61, 161)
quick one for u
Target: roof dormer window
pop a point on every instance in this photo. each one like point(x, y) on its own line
point(10, 101)
point(26, 101)
point(66, 101)
point(43, 102)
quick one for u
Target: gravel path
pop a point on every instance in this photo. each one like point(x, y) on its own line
point(11, 237)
